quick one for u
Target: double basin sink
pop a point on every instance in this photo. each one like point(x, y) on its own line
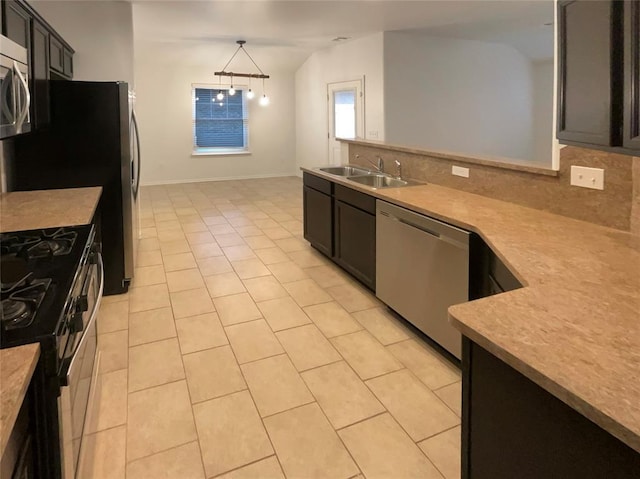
point(366, 177)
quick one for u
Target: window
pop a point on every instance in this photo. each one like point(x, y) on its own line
point(219, 126)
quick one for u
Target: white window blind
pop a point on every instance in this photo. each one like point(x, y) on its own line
point(219, 126)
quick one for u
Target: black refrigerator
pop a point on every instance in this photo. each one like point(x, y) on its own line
point(92, 141)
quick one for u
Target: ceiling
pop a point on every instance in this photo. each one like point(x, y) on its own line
point(282, 34)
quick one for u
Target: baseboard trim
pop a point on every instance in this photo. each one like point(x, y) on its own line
point(226, 178)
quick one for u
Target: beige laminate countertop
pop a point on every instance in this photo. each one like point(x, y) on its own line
point(28, 210)
point(574, 329)
point(16, 368)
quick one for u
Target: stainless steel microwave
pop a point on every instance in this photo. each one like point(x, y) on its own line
point(14, 89)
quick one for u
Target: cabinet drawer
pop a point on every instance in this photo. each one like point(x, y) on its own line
point(316, 183)
point(355, 198)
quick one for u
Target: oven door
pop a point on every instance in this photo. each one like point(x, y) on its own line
point(78, 373)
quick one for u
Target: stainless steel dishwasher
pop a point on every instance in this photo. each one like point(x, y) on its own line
point(422, 269)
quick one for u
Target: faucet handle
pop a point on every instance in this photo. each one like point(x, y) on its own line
point(398, 169)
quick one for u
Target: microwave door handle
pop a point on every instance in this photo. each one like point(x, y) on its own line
point(92, 319)
point(27, 97)
point(9, 110)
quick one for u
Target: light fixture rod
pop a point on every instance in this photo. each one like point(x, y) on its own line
point(243, 75)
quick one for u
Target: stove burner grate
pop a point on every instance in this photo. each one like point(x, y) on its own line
point(39, 245)
point(20, 301)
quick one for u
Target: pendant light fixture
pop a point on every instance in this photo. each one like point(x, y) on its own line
point(220, 95)
point(250, 93)
point(264, 100)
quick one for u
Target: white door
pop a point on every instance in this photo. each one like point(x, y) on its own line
point(346, 118)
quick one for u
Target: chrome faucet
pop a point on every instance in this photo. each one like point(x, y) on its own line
point(398, 169)
point(379, 166)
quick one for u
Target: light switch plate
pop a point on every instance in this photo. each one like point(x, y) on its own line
point(460, 171)
point(373, 134)
point(586, 177)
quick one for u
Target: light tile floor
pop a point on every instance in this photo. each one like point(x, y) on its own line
point(241, 352)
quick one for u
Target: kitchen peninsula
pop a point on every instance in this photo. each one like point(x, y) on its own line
point(574, 329)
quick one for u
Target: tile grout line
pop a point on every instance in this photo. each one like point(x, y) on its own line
point(264, 427)
point(186, 382)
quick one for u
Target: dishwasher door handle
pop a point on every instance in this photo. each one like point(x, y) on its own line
point(435, 234)
point(409, 223)
point(418, 227)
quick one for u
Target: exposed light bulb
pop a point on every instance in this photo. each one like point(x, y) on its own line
point(232, 91)
point(221, 104)
point(220, 95)
point(250, 94)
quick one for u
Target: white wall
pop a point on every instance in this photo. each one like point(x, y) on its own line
point(543, 112)
point(349, 61)
point(457, 95)
point(101, 33)
point(163, 89)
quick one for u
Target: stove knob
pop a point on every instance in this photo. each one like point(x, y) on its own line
point(82, 303)
point(77, 324)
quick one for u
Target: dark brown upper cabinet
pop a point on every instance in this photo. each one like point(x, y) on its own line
point(631, 138)
point(40, 75)
point(17, 23)
point(50, 57)
point(598, 75)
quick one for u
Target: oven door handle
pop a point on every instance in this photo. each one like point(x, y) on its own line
point(92, 318)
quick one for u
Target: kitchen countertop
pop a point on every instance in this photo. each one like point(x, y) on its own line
point(28, 210)
point(574, 329)
point(16, 368)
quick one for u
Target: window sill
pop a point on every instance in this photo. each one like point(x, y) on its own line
point(221, 153)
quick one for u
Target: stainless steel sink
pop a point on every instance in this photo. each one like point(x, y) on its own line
point(379, 181)
point(345, 170)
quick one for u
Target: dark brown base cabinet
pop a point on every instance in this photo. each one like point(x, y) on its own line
point(341, 223)
point(318, 220)
point(355, 242)
point(512, 428)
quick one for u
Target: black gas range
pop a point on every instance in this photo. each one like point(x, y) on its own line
point(50, 289)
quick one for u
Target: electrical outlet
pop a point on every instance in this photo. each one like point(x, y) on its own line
point(587, 177)
point(460, 171)
point(373, 134)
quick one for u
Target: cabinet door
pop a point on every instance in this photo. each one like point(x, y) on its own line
point(40, 76)
point(17, 24)
point(512, 428)
point(632, 75)
point(68, 63)
point(588, 80)
point(56, 55)
point(355, 242)
point(318, 220)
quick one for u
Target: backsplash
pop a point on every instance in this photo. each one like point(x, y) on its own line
point(617, 206)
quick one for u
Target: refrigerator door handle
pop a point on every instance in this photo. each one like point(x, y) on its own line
point(137, 178)
point(27, 98)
